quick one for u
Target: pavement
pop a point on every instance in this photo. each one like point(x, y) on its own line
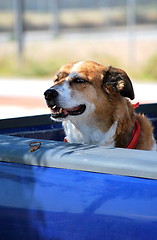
point(24, 97)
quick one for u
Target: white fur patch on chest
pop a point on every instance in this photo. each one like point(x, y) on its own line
point(154, 147)
point(88, 135)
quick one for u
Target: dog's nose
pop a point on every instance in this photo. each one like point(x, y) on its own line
point(50, 94)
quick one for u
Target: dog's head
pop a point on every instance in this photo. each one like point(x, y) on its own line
point(86, 89)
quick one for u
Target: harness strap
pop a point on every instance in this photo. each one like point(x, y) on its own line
point(135, 133)
point(135, 105)
point(135, 136)
point(65, 139)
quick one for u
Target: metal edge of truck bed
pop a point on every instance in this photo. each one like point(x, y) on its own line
point(45, 118)
point(134, 163)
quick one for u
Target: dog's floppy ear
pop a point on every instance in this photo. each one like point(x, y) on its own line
point(118, 81)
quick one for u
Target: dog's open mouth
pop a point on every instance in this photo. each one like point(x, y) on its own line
point(58, 112)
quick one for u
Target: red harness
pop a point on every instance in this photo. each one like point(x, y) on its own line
point(135, 133)
point(135, 136)
point(65, 139)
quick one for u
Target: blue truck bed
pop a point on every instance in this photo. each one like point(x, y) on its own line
point(68, 191)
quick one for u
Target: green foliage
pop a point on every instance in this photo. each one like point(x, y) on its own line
point(45, 64)
point(150, 70)
point(28, 67)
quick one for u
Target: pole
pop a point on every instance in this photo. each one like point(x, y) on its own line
point(18, 6)
point(54, 8)
point(131, 21)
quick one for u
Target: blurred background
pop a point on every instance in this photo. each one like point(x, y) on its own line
point(38, 36)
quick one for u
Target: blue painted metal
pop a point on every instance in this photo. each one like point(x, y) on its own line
point(47, 203)
point(26, 129)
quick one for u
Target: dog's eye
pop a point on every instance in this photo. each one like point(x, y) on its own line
point(59, 76)
point(56, 80)
point(79, 80)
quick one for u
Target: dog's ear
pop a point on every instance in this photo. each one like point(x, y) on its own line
point(118, 81)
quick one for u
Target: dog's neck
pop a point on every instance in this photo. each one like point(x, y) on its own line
point(86, 134)
point(115, 133)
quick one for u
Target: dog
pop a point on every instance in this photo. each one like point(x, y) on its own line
point(93, 103)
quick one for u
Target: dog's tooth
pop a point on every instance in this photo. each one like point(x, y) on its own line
point(54, 107)
point(60, 110)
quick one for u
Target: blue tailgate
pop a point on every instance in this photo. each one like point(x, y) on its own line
point(71, 191)
point(42, 203)
point(64, 191)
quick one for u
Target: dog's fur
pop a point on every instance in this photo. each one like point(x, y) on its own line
point(92, 101)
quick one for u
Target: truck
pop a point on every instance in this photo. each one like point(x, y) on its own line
point(54, 190)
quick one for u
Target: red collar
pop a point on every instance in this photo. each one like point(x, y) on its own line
point(135, 133)
point(135, 136)
point(65, 139)
point(135, 105)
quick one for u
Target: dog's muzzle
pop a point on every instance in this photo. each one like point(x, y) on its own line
point(57, 111)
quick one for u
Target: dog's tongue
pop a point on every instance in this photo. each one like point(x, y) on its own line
point(65, 111)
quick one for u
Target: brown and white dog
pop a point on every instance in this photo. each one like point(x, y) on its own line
point(92, 102)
